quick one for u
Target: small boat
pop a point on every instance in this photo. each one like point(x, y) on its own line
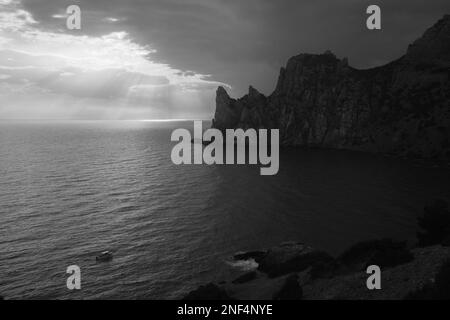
point(105, 256)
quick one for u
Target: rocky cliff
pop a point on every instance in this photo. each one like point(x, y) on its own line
point(401, 108)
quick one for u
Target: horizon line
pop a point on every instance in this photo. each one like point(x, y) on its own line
point(141, 120)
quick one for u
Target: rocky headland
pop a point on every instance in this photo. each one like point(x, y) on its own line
point(401, 108)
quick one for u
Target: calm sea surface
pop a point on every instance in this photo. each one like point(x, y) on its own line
point(69, 190)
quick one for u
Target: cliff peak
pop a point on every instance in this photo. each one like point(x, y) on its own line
point(222, 92)
point(433, 46)
point(252, 92)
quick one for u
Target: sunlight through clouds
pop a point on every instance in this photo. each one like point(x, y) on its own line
point(83, 69)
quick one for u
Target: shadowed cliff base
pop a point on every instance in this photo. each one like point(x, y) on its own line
point(401, 108)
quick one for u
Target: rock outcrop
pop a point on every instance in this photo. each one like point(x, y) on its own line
point(401, 108)
point(293, 271)
point(208, 292)
point(423, 277)
point(291, 289)
point(247, 277)
point(397, 283)
point(291, 257)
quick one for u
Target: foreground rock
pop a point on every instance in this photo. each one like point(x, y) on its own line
point(291, 257)
point(291, 290)
point(400, 108)
point(246, 278)
point(397, 282)
point(208, 292)
point(404, 279)
point(384, 253)
point(293, 270)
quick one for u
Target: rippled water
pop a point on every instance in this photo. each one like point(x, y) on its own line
point(70, 190)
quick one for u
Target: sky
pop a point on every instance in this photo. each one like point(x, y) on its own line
point(164, 59)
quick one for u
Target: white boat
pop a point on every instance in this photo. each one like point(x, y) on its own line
point(104, 256)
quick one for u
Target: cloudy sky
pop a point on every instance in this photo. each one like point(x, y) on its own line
point(159, 59)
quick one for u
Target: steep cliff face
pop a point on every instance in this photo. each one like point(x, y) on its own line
point(401, 108)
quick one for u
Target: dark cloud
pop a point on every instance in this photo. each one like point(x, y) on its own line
point(246, 42)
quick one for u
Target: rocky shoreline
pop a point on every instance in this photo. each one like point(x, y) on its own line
point(295, 271)
point(302, 283)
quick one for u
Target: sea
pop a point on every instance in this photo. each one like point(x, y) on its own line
point(70, 190)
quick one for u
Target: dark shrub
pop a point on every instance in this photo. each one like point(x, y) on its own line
point(434, 224)
point(443, 282)
point(425, 293)
point(290, 290)
point(326, 268)
point(439, 290)
point(383, 253)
